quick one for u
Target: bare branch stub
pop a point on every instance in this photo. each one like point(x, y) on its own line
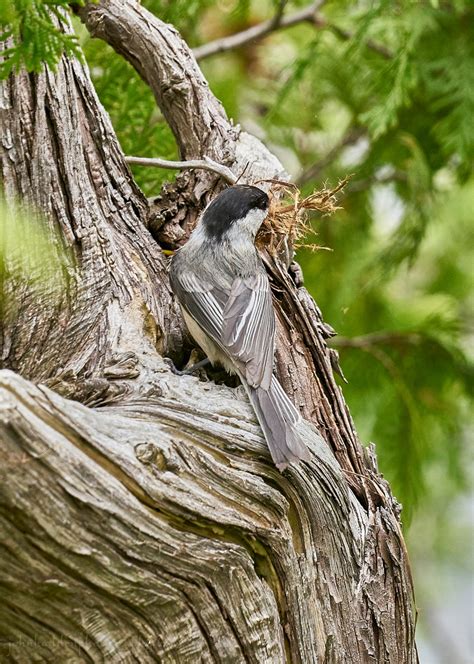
point(201, 164)
point(256, 32)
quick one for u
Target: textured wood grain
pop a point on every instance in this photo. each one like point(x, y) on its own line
point(59, 153)
point(166, 530)
point(147, 523)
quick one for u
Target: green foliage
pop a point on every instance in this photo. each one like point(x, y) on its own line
point(452, 95)
point(32, 28)
point(30, 252)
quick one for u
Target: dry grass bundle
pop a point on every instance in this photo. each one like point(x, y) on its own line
point(287, 220)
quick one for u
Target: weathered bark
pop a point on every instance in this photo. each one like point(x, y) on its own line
point(154, 527)
point(195, 116)
point(60, 153)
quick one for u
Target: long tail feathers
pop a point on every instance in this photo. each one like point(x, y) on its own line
point(278, 417)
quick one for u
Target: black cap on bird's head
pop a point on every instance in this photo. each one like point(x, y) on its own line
point(238, 203)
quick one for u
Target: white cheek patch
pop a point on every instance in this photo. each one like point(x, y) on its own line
point(253, 220)
point(249, 224)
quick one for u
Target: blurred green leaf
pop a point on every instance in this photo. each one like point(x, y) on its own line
point(31, 252)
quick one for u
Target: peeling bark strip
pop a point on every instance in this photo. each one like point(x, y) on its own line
point(154, 526)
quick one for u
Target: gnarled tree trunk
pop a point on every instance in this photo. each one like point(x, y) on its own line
point(141, 518)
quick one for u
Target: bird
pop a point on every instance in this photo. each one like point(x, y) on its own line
point(224, 292)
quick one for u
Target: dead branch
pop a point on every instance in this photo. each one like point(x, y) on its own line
point(203, 164)
point(280, 21)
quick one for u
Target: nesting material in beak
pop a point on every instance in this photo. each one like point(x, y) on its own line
point(287, 219)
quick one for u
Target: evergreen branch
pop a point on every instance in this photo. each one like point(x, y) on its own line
point(351, 136)
point(308, 14)
point(461, 365)
point(346, 35)
point(205, 164)
point(34, 32)
point(365, 183)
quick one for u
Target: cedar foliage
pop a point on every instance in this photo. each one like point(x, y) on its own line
point(32, 27)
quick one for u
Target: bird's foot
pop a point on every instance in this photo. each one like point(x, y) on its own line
point(190, 370)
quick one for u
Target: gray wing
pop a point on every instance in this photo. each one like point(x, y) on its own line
point(241, 322)
point(248, 331)
point(203, 302)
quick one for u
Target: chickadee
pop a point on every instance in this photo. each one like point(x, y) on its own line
point(224, 292)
